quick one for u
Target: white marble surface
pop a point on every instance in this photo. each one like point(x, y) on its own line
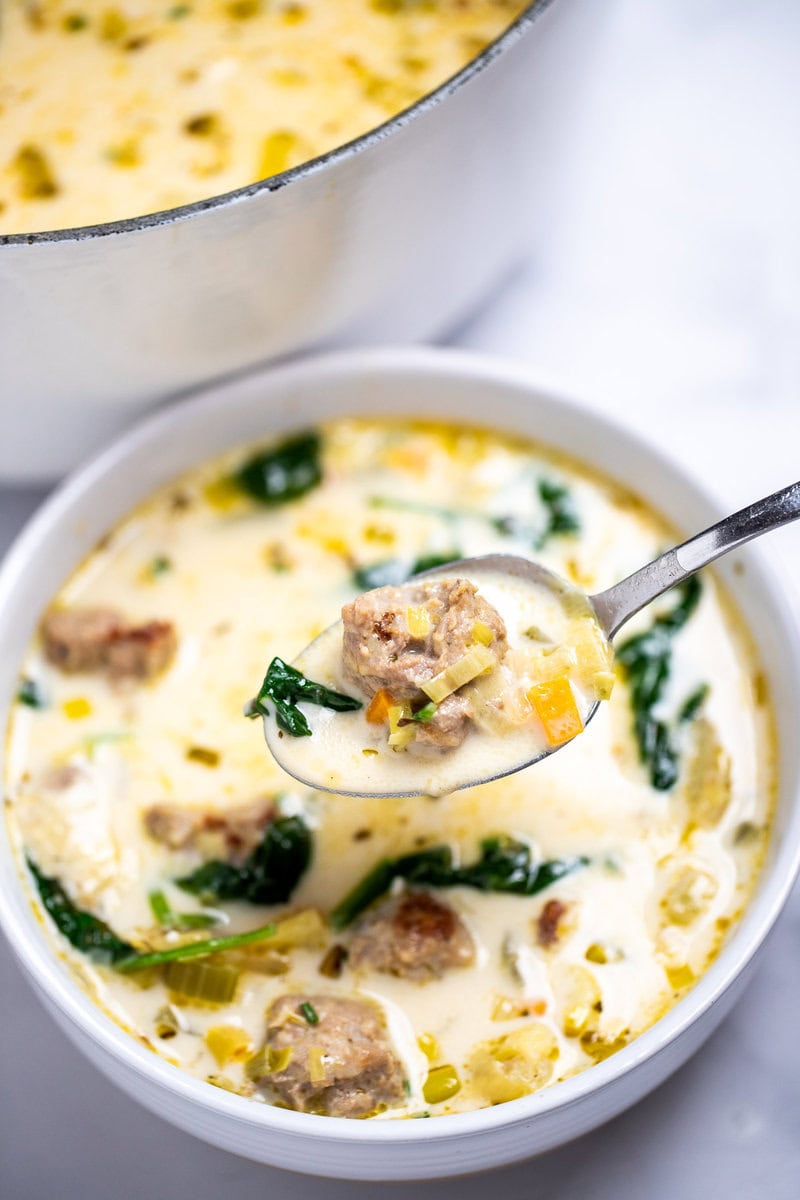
point(666, 289)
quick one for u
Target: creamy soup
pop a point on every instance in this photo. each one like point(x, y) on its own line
point(314, 950)
point(450, 681)
point(116, 110)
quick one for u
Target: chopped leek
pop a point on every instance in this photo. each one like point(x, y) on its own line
point(212, 983)
point(401, 730)
point(316, 1064)
point(426, 713)
point(304, 928)
point(482, 633)
point(228, 1043)
point(419, 620)
point(478, 659)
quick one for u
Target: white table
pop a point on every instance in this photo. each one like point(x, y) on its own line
point(665, 289)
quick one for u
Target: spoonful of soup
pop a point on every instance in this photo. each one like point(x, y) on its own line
point(469, 671)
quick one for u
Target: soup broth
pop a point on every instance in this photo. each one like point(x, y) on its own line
point(573, 903)
point(114, 111)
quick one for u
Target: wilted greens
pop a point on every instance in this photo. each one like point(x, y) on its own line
point(285, 472)
point(505, 865)
point(284, 686)
point(397, 570)
point(646, 660)
point(268, 875)
point(85, 932)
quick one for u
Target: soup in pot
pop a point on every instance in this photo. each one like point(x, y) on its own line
point(316, 951)
point(114, 110)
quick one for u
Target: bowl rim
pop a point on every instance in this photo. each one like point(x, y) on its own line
point(274, 183)
point(62, 990)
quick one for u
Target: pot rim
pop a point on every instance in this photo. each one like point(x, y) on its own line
point(41, 959)
point(274, 183)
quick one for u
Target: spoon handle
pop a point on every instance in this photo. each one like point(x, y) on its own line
point(618, 603)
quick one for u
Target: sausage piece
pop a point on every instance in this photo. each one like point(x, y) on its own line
point(342, 1065)
point(380, 651)
point(238, 830)
point(548, 924)
point(413, 935)
point(100, 640)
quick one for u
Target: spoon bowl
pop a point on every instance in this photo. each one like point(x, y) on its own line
point(344, 767)
point(339, 765)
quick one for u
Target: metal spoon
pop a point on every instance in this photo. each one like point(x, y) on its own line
point(612, 607)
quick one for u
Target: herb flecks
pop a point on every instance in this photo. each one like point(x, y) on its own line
point(693, 704)
point(646, 660)
point(285, 472)
point(309, 1013)
point(268, 875)
point(30, 693)
point(204, 755)
point(285, 686)
point(505, 865)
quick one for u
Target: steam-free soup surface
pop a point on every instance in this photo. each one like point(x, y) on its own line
point(573, 904)
point(116, 110)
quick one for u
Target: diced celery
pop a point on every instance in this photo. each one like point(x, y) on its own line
point(472, 664)
point(211, 983)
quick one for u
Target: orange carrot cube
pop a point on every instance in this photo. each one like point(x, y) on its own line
point(554, 704)
point(378, 711)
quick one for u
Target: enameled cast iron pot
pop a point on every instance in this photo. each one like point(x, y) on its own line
point(393, 236)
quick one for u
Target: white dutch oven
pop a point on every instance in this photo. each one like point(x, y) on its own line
point(435, 384)
point(395, 235)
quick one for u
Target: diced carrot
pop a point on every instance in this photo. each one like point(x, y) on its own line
point(554, 705)
point(378, 711)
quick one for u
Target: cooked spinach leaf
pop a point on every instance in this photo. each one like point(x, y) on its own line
point(505, 865)
point(285, 472)
point(82, 930)
point(268, 875)
point(693, 703)
point(397, 570)
point(646, 660)
point(30, 693)
point(284, 686)
point(562, 516)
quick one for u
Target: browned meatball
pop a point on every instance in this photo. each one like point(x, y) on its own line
point(413, 935)
point(238, 830)
point(379, 651)
point(100, 640)
point(341, 1065)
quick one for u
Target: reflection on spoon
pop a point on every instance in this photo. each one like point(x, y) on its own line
point(470, 671)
